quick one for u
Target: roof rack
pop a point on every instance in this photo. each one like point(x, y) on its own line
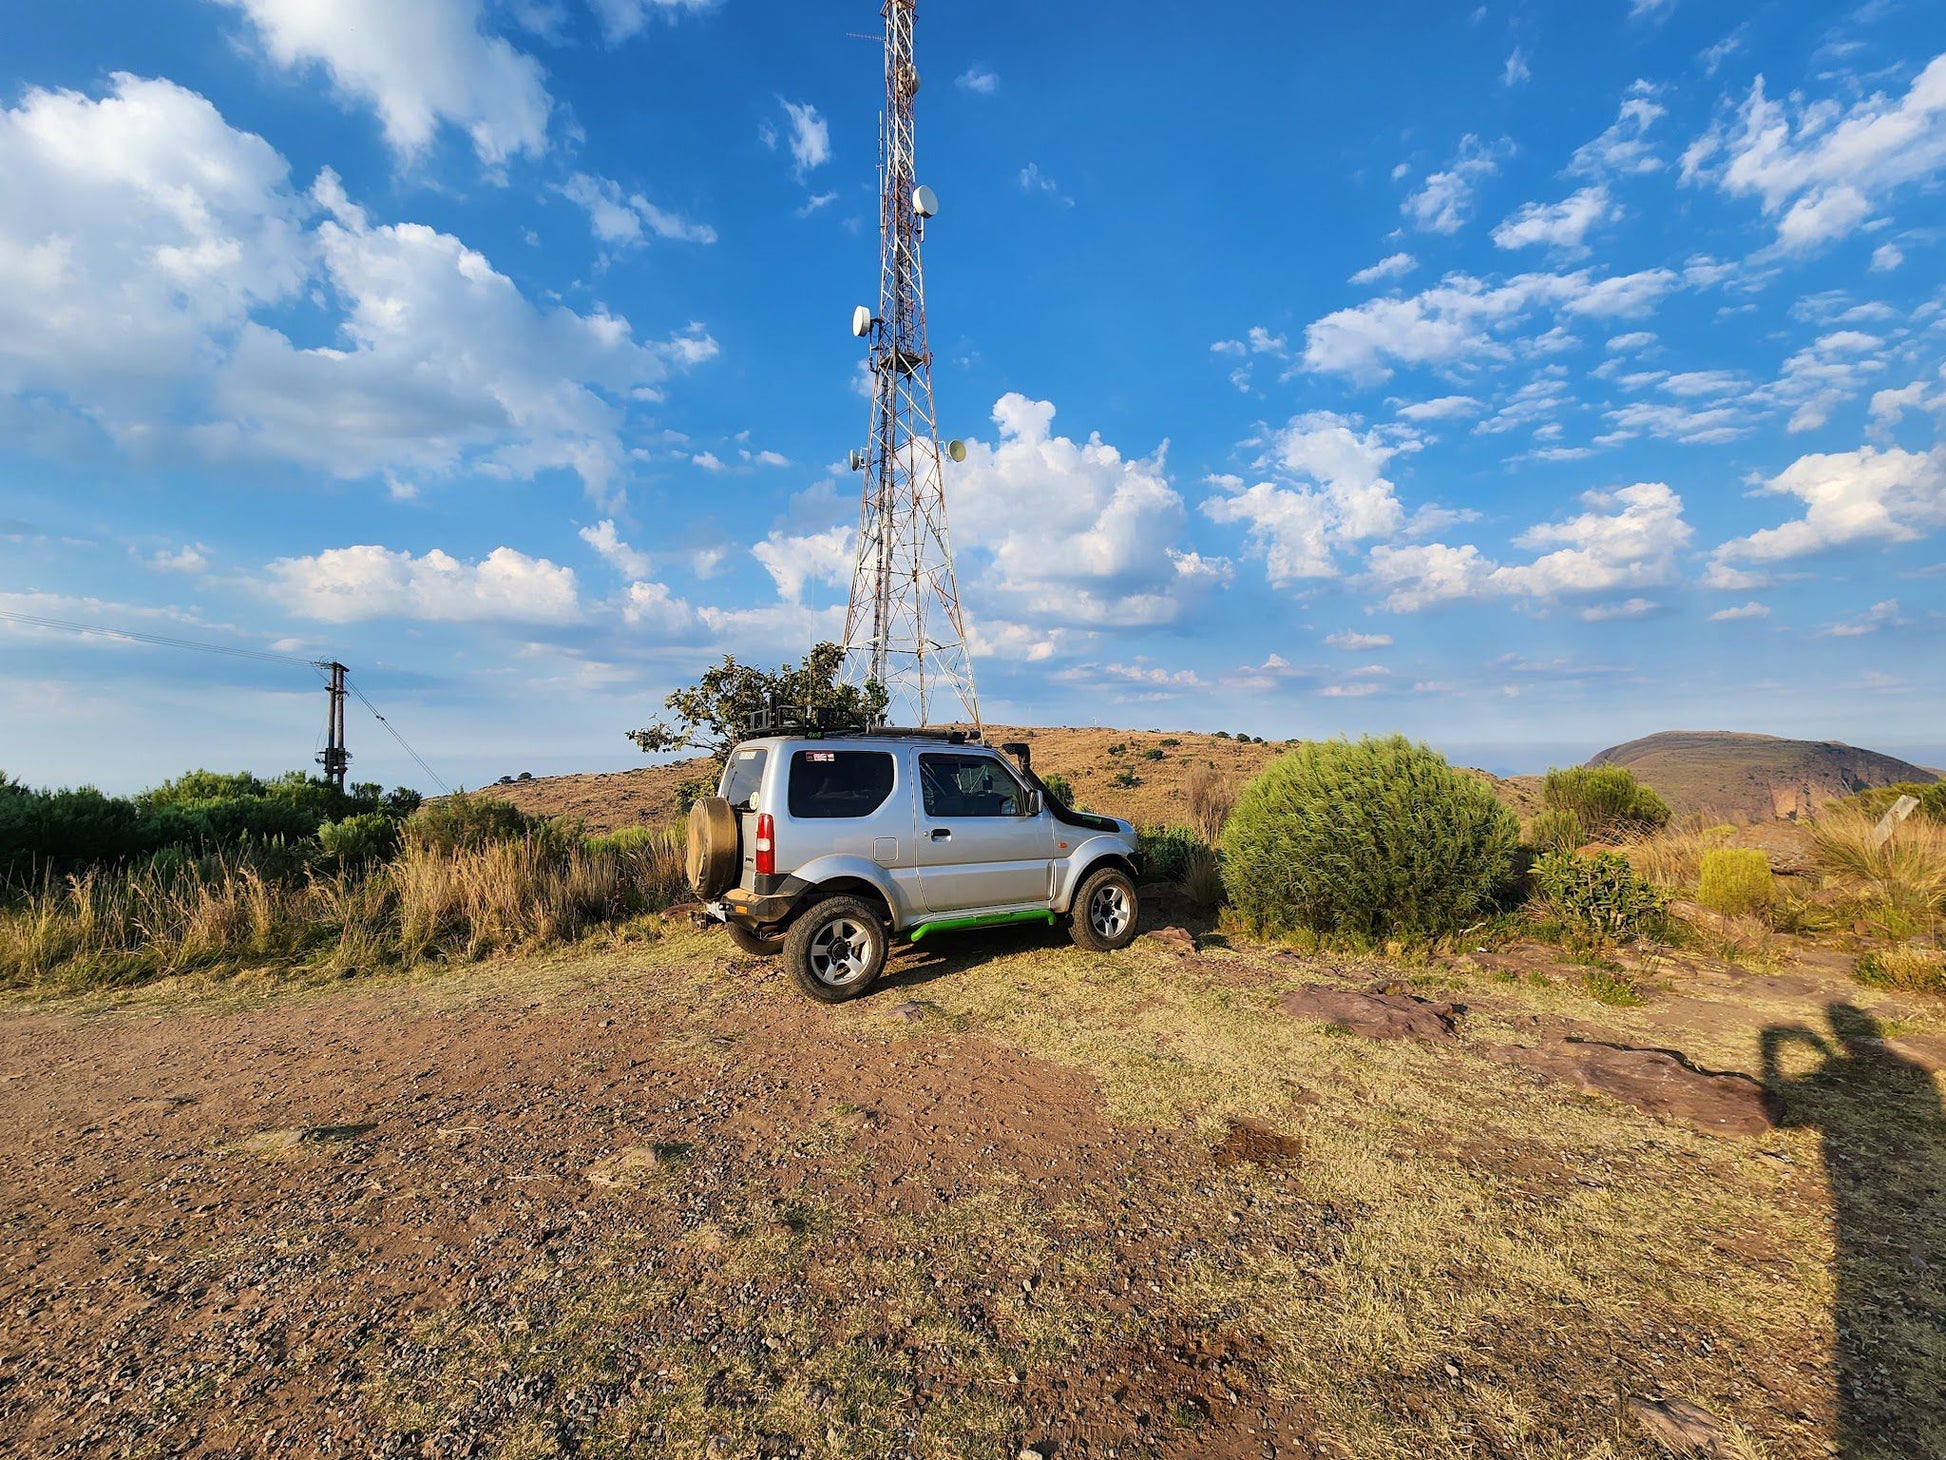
point(817, 723)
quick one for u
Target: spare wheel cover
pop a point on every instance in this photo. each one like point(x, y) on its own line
point(713, 862)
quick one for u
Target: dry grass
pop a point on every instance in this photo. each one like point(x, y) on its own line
point(1208, 796)
point(1901, 883)
point(112, 927)
point(1672, 858)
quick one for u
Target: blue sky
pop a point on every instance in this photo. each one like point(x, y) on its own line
point(1524, 377)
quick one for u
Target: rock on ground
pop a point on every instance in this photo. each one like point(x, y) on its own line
point(1652, 1080)
point(1374, 1015)
point(1678, 1425)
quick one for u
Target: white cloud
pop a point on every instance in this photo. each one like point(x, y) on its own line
point(442, 360)
point(796, 560)
point(621, 19)
point(1624, 148)
point(978, 80)
point(606, 541)
point(1563, 225)
point(1351, 639)
point(1750, 610)
point(814, 203)
point(1850, 497)
point(1886, 257)
point(1629, 608)
point(1341, 497)
point(1078, 534)
point(1881, 615)
point(1627, 539)
point(1889, 406)
point(619, 220)
point(416, 65)
point(1389, 267)
point(347, 585)
point(1650, 10)
point(1033, 180)
point(1821, 170)
point(1461, 317)
point(189, 558)
point(810, 139)
point(652, 605)
point(1444, 200)
point(1516, 70)
point(1634, 340)
point(1440, 408)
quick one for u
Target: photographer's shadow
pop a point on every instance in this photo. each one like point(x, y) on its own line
point(1884, 1133)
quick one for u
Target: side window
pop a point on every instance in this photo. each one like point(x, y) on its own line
point(744, 776)
point(827, 785)
point(968, 785)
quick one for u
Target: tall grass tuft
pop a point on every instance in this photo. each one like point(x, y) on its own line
point(1208, 798)
point(1904, 878)
point(1672, 857)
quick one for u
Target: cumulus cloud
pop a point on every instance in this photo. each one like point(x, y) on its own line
point(1849, 497)
point(417, 66)
point(1626, 539)
point(1516, 70)
point(978, 80)
point(347, 585)
point(1332, 493)
point(1750, 610)
point(1444, 201)
point(1389, 267)
point(1463, 317)
point(1564, 225)
point(795, 560)
point(1819, 169)
point(607, 541)
point(619, 220)
point(810, 138)
point(1624, 149)
point(1076, 532)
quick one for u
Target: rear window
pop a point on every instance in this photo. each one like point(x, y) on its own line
point(744, 776)
point(830, 784)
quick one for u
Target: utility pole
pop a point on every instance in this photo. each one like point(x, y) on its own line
point(903, 627)
point(335, 759)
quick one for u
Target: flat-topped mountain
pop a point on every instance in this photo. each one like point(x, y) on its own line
point(1759, 776)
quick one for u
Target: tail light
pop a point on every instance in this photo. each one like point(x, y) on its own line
point(766, 846)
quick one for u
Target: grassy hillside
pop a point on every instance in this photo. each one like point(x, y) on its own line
point(1754, 776)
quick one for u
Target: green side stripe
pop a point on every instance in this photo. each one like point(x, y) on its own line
point(985, 920)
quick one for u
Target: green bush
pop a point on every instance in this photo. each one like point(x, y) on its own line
point(1931, 797)
point(357, 841)
point(1126, 780)
point(1596, 897)
point(1556, 831)
point(1736, 880)
point(1118, 749)
point(1606, 799)
point(1060, 787)
point(1167, 852)
point(1152, 754)
point(467, 822)
point(1376, 838)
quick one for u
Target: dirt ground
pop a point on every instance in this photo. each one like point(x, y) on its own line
point(644, 1200)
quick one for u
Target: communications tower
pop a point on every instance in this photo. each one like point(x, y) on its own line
point(903, 626)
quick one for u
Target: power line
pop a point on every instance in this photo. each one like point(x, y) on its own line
point(365, 700)
point(232, 651)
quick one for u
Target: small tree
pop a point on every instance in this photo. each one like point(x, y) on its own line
point(709, 715)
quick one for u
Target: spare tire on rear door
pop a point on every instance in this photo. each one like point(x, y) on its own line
point(713, 859)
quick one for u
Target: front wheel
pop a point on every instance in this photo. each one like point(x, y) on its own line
point(837, 950)
point(755, 943)
point(1103, 916)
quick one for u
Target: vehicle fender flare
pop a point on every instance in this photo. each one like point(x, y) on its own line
point(1093, 853)
point(842, 872)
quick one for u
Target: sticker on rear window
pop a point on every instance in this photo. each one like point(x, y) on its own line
point(821, 756)
point(748, 754)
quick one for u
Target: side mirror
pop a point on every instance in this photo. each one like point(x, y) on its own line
point(1034, 803)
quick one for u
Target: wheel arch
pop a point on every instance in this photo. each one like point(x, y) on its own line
point(1090, 861)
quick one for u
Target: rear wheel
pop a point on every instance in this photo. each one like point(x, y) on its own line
point(1105, 907)
point(755, 943)
point(836, 951)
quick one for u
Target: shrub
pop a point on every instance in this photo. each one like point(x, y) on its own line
point(1596, 897)
point(465, 822)
point(1905, 876)
point(1607, 800)
point(1060, 787)
point(1166, 852)
point(1874, 803)
point(1736, 880)
point(359, 840)
point(1118, 749)
point(1376, 838)
point(1202, 879)
point(1556, 831)
point(1208, 798)
point(1222, 735)
point(1152, 754)
point(1126, 780)
point(1169, 742)
point(1673, 857)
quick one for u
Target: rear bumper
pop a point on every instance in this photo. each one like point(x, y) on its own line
point(759, 910)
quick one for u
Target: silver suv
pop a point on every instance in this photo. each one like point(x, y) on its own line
point(826, 847)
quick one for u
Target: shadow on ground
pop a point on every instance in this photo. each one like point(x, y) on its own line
point(1884, 1134)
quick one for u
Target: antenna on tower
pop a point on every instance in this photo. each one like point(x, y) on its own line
point(903, 626)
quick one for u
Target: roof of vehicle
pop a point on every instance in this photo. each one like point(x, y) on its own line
point(955, 740)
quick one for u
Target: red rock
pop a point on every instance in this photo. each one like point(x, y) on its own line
point(1682, 1427)
point(1374, 1015)
point(1651, 1080)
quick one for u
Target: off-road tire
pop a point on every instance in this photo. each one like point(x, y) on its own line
point(832, 936)
point(1105, 909)
point(755, 943)
point(713, 860)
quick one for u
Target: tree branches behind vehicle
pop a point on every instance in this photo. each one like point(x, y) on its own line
point(710, 714)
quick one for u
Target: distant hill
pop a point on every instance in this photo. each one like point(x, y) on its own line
point(1754, 776)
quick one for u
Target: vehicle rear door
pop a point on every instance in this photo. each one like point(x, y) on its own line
point(976, 846)
point(743, 779)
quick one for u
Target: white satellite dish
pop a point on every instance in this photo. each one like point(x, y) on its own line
point(956, 449)
point(861, 321)
point(856, 460)
point(925, 202)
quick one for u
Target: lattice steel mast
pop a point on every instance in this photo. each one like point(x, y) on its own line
point(903, 627)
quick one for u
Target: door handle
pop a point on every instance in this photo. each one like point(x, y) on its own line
point(942, 833)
